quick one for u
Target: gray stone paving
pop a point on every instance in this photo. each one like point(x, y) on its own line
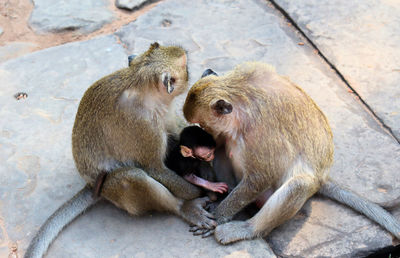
point(83, 16)
point(15, 49)
point(362, 40)
point(38, 173)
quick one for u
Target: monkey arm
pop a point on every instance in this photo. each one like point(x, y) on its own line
point(176, 184)
point(219, 187)
point(242, 195)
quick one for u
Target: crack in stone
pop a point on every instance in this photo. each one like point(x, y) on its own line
point(121, 42)
point(379, 120)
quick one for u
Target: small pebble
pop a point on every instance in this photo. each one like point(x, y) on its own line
point(21, 95)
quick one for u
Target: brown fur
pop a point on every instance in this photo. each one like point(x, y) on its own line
point(121, 124)
point(277, 138)
point(121, 129)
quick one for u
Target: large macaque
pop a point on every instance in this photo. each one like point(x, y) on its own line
point(276, 137)
point(120, 132)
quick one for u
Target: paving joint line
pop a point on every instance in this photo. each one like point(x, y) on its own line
point(380, 121)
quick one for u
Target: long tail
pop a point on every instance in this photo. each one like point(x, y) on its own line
point(391, 205)
point(61, 218)
point(368, 208)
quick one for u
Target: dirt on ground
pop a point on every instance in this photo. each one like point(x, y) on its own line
point(14, 17)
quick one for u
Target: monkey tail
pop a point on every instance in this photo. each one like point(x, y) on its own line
point(371, 210)
point(60, 218)
point(390, 205)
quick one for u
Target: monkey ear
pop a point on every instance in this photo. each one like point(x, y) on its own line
point(222, 107)
point(130, 58)
point(186, 151)
point(208, 72)
point(168, 82)
point(154, 46)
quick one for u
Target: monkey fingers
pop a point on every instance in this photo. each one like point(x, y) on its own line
point(203, 232)
point(209, 233)
point(194, 212)
point(221, 187)
point(218, 187)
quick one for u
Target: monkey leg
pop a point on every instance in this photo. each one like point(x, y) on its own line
point(134, 191)
point(280, 207)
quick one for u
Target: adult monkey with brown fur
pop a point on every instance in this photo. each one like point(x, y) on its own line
point(120, 131)
point(276, 137)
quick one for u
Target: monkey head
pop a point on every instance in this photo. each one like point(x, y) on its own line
point(196, 143)
point(164, 68)
point(209, 105)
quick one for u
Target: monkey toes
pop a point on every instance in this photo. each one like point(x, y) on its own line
point(233, 231)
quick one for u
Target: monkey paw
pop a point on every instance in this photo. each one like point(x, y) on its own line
point(193, 211)
point(233, 231)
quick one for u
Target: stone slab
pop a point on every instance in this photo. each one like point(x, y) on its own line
point(36, 164)
point(15, 49)
point(362, 40)
point(219, 35)
point(151, 236)
point(84, 16)
point(37, 171)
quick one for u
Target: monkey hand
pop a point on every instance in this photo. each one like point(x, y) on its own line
point(193, 212)
point(219, 187)
point(203, 232)
point(206, 232)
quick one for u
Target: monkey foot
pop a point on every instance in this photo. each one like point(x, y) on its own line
point(233, 231)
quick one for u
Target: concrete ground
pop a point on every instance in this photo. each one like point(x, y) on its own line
point(344, 54)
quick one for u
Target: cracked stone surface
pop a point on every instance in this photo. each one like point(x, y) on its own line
point(37, 173)
point(361, 39)
point(84, 16)
point(130, 4)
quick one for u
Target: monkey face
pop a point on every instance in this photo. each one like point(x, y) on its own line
point(204, 153)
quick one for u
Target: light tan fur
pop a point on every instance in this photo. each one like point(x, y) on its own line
point(276, 137)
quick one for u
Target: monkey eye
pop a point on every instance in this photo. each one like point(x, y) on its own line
point(172, 80)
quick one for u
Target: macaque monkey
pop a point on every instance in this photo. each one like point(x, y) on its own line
point(276, 137)
point(190, 158)
point(120, 137)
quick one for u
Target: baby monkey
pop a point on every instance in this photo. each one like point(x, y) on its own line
point(190, 157)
